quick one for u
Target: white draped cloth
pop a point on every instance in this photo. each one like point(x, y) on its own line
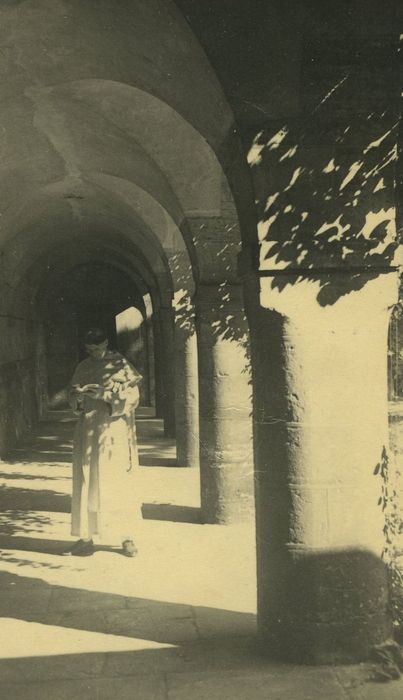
point(105, 455)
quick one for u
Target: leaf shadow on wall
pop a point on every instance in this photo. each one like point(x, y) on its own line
point(326, 183)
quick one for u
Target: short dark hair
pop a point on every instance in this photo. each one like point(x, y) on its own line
point(95, 336)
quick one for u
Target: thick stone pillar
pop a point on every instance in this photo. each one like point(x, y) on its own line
point(164, 322)
point(226, 471)
point(187, 387)
point(158, 372)
point(320, 430)
point(149, 342)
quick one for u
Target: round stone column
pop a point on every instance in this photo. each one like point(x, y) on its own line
point(321, 432)
point(187, 387)
point(158, 371)
point(226, 471)
point(150, 361)
point(165, 319)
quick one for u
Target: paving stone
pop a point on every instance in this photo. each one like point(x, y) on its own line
point(358, 684)
point(163, 626)
point(223, 623)
point(99, 689)
point(64, 599)
point(378, 691)
point(230, 685)
point(51, 667)
point(158, 607)
point(92, 620)
point(26, 604)
point(213, 653)
point(154, 662)
point(230, 653)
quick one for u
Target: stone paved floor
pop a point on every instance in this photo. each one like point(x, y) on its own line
point(176, 623)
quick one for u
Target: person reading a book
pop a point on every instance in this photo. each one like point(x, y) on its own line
point(104, 393)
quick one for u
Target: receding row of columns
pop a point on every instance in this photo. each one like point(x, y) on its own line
point(313, 470)
point(205, 396)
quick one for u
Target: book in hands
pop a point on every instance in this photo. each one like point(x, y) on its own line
point(87, 388)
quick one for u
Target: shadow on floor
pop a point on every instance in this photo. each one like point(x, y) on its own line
point(23, 522)
point(33, 544)
point(40, 457)
point(34, 500)
point(156, 461)
point(25, 501)
point(18, 476)
point(201, 637)
point(53, 444)
point(167, 511)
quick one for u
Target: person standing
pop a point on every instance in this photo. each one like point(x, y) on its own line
point(104, 393)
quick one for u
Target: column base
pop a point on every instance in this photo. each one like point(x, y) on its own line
point(329, 607)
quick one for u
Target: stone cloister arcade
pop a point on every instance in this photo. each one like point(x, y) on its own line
point(243, 255)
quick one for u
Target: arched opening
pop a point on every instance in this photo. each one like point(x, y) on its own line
point(154, 229)
point(124, 218)
point(90, 294)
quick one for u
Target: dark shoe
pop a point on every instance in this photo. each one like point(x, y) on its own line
point(82, 548)
point(129, 549)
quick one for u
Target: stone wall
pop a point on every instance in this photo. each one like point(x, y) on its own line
point(22, 378)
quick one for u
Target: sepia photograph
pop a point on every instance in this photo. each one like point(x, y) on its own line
point(201, 350)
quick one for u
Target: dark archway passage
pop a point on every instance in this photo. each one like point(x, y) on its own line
point(91, 294)
point(132, 195)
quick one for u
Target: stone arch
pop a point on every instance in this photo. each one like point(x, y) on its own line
point(128, 145)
